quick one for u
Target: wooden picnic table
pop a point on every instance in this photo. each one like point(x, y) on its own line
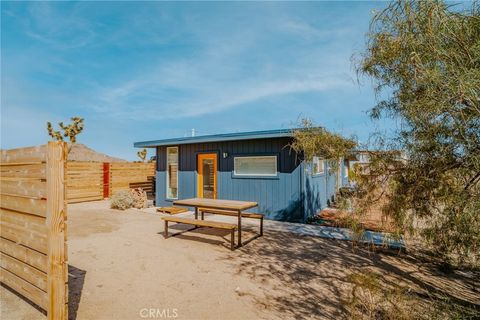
point(233, 205)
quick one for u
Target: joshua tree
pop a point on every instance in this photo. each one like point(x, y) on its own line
point(71, 130)
point(142, 155)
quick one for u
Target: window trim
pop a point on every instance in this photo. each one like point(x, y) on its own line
point(313, 166)
point(166, 172)
point(237, 175)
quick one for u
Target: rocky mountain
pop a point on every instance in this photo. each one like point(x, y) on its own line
point(80, 152)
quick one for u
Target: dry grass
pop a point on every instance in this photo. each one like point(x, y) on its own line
point(373, 220)
point(372, 298)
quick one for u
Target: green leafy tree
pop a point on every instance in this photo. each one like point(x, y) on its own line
point(312, 141)
point(424, 59)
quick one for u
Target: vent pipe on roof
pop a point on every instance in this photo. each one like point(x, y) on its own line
point(193, 132)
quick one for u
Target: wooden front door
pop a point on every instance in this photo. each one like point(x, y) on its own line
point(207, 175)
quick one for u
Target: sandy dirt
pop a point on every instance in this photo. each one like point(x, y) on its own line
point(121, 267)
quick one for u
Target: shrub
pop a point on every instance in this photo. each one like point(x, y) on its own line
point(122, 200)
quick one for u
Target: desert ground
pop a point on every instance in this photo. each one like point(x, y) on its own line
point(121, 267)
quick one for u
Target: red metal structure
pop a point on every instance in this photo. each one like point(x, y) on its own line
point(106, 179)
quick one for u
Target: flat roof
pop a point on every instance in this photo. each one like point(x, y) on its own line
point(279, 133)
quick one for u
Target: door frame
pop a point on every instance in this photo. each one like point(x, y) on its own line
point(200, 157)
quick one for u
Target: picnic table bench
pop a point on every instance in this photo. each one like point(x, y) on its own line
point(171, 210)
point(216, 206)
point(234, 214)
point(203, 223)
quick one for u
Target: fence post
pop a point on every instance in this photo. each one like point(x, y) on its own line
point(106, 180)
point(57, 270)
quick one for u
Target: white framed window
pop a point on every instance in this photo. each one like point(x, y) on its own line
point(255, 166)
point(318, 165)
point(172, 173)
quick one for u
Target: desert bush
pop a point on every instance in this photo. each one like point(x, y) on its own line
point(122, 200)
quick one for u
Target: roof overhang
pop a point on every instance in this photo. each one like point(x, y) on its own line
point(268, 134)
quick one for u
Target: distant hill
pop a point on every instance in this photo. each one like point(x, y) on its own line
point(81, 152)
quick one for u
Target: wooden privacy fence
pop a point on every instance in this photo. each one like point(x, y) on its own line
point(88, 181)
point(84, 181)
point(33, 226)
point(123, 174)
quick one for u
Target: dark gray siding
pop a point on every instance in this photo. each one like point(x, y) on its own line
point(188, 153)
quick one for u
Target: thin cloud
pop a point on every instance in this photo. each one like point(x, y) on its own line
point(214, 99)
point(306, 30)
point(61, 29)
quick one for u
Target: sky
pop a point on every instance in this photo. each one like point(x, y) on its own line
point(139, 71)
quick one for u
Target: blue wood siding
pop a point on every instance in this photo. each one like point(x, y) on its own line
point(279, 198)
point(293, 195)
point(319, 190)
point(345, 181)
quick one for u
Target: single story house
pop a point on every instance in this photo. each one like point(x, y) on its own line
point(253, 166)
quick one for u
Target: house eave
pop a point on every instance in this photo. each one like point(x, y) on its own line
point(216, 138)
